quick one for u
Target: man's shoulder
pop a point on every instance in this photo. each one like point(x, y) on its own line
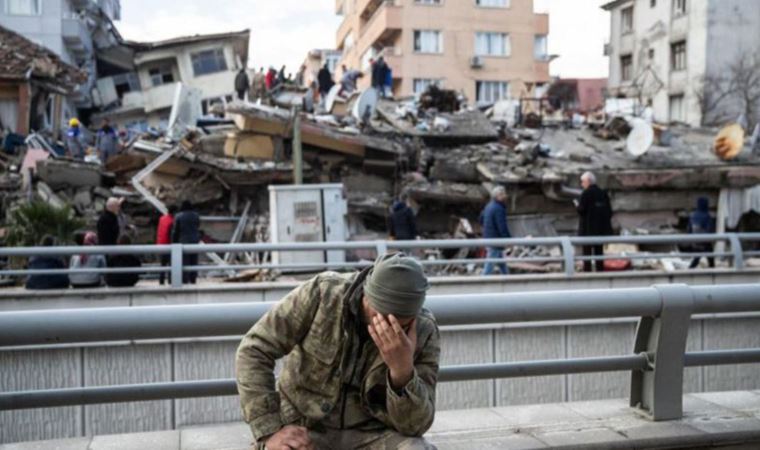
point(427, 320)
point(332, 285)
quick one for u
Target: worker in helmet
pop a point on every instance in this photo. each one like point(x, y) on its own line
point(74, 145)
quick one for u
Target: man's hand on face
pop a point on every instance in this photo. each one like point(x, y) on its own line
point(396, 347)
point(290, 437)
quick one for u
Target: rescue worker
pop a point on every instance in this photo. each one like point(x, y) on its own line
point(595, 213)
point(242, 83)
point(362, 366)
point(107, 142)
point(74, 145)
point(258, 86)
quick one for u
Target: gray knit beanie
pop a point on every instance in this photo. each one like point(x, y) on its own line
point(397, 285)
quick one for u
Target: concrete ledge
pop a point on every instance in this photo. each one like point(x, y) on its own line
point(730, 420)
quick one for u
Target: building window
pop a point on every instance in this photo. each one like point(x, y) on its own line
point(126, 82)
point(652, 3)
point(626, 20)
point(348, 42)
point(493, 3)
point(492, 44)
point(208, 61)
point(626, 67)
point(540, 47)
point(428, 2)
point(679, 7)
point(23, 7)
point(161, 75)
point(428, 41)
point(677, 110)
point(651, 54)
point(678, 55)
point(422, 84)
point(491, 91)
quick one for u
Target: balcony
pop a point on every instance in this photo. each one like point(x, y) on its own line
point(366, 8)
point(384, 25)
point(160, 97)
point(76, 37)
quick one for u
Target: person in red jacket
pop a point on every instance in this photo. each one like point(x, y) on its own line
point(164, 237)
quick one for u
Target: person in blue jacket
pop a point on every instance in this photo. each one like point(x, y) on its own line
point(494, 222)
point(45, 262)
point(701, 222)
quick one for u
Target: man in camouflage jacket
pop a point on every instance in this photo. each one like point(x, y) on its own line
point(361, 367)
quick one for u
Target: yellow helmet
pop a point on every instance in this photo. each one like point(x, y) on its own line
point(74, 122)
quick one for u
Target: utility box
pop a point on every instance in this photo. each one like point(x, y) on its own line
point(308, 213)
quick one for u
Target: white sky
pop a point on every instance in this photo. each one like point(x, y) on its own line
point(282, 31)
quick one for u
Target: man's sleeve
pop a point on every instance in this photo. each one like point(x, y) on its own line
point(501, 221)
point(411, 410)
point(412, 222)
point(583, 203)
point(271, 338)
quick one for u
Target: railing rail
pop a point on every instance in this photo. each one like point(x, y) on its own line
point(738, 252)
point(656, 363)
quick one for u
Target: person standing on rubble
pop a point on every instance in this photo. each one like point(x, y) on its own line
point(281, 76)
point(107, 142)
point(74, 144)
point(495, 226)
point(701, 222)
point(402, 223)
point(164, 237)
point(349, 81)
point(270, 77)
point(379, 75)
point(362, 368)
point(258, 86)
point(595, 211)
point(241, 83)
point(325, 80)
point(187, 230)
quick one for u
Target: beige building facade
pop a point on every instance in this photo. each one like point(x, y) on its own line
point(488, 49)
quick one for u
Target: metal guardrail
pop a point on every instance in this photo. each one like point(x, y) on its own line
point(566, 245)
point(656, 362)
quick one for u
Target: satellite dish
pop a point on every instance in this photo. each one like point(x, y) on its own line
point(365, 104)
point(729, 142)
point(331, 96)
point(641, 137)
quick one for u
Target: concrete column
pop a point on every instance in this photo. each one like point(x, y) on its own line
point(24, 106)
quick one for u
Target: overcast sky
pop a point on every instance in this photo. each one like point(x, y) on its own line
point(282, 31)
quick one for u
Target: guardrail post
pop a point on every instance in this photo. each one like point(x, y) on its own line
point(658, 392)
point(737, 250)
point(568, 252)
point(382, 248)
point(176, 272)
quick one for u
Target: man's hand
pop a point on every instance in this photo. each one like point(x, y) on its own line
point(290, 437)
point(396, 347)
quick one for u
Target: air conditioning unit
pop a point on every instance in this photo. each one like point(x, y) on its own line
point(476, 62)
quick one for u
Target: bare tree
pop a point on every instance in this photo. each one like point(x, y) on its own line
point(737, 91)
point(712, 92)
point(745, 74)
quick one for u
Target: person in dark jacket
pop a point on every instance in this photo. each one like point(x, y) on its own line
point(701, 222)
point(107, 142)
point(494, 222)
point(187, 230)
point(242, 83)
point(402, 223)
point(45, 262)
point(109, 228)
point(595, 213)
point(123, 261)
point(325, 80)
point(379, 75)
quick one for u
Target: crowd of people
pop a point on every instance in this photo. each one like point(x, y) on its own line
point(112, 229)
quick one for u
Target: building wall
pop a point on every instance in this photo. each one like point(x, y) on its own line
point(459, 21)
point(656, 28)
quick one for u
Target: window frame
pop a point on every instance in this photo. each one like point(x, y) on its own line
point(507, 4)
point(682, 112)
point(427, 82)
point(429, 2)
point(503, 88)
point(420, 51)
point(626, 75)
point(7, 9)
point(626, 27)
point(163, 70)
point(489, 35)
point(680, 8)
point(545, 47)
point(678, 59)
point(219, 56)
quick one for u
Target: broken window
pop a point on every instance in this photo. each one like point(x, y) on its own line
point(209, 61)
point(677, 111)
point(493, 3)
point(161, 75)
point(678, 55)
point(428, 41)
point(422, 84)
point(23, 7)
point(540, 47)
point(492, 44)
point(679, 7)
point(626, 19)
point(491, 91)
point(626, 67)
point(126, 82)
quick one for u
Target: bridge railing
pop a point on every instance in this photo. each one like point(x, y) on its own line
point(656, 361)
point(736, 243)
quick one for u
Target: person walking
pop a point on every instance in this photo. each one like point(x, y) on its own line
point(325, 80)
point(164, 237)
point(701, 222)
point(109, 227)
point(363, 364)
point(242, 83)
point(46, 262)
point(107, 142)
point(495, 226)
point(187, 230)
point(74, 144)
point(402, 223)
point(595, 211)
point(86, 261)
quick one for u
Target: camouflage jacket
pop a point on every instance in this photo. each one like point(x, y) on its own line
point(308, 326)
